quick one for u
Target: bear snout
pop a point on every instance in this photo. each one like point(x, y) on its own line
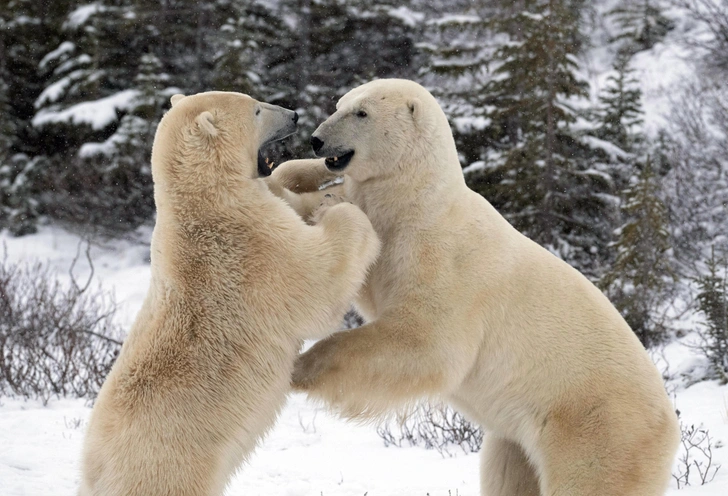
point(316, 144)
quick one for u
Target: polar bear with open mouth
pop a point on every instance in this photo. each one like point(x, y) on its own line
point(238, 280)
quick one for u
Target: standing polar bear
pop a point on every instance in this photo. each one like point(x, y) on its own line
point(238, 280)
point(462, 306)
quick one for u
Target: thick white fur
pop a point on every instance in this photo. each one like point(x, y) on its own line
point(464, 307)
point(238, 280)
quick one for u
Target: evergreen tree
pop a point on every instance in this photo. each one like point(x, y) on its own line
point(637, 281)
point(9, 162)
point(620, 112)
point(539, 171)
point(640, 24)
point(457, 72)
point(151, 81)
point(112, 77)
point(7, 123)
point(78, 113)
point(29, 30)
point(713, 303)
point(617, 124)
point(338, 44)
point(125, 156)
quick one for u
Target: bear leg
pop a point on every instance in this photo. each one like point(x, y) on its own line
point(506, 470)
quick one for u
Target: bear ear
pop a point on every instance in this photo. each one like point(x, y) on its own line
point(413, 105)
point(205, 121)
point(175, 99)
point(416, 110)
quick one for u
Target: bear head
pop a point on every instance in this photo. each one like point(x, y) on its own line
point(380, 126)
point(212, 136)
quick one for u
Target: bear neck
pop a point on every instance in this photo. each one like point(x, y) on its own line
point(419, 191)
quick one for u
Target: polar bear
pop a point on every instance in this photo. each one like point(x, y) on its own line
point(463, 307)
point(238, 280)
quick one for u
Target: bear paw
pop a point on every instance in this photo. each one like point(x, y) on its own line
point(316, 366)
point(329, 201)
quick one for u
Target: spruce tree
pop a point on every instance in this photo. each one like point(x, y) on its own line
point(87, 89)
point(639, 278)
point(337, 45)
point(7, 122)
point(90, 89)
point(130, 56)
point(29, 30)
point(538, 172)
point(640, 24)
point(8, 164)
point(713, 303)
point(617, 123)
point(620, 112)
point(457, 72)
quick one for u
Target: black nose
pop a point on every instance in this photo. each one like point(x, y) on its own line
point(316, 144)
point(295, 117)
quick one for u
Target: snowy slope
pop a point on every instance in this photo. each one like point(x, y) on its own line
point(661, 71)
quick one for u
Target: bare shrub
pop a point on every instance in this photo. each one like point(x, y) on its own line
point(54, 340)
point(437, 427)
point(695, 461)
point(713, 15)
point(695, 188)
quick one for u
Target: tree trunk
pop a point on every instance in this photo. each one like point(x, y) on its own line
point(550, 144)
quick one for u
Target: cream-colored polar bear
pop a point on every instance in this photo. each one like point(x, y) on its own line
point(238, 279)
point(464, 307)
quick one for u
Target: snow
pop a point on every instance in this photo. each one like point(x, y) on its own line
point(408, 17)
point(660, 71)
point(98, 114)
point(81, 15)
point(465, 124)
point(92, 149)
point(65, 47)
point(309, 452)
point(610, 149)
point(474, 167)
point(53, 92)
point(455, 19)
point(79, 61)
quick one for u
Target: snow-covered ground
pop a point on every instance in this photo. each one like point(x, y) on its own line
point(309, 452)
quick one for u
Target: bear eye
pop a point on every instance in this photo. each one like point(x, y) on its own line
point(361, 113)
point(257, 112)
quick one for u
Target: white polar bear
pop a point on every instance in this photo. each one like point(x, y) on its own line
point(238, 280)
point(462, 306)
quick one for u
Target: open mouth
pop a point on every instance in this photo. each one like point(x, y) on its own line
point(265, 164)
point(340, 162)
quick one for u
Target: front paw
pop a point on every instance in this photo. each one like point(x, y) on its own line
point(329, 201)
point(314, 367)
point(302, 176)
